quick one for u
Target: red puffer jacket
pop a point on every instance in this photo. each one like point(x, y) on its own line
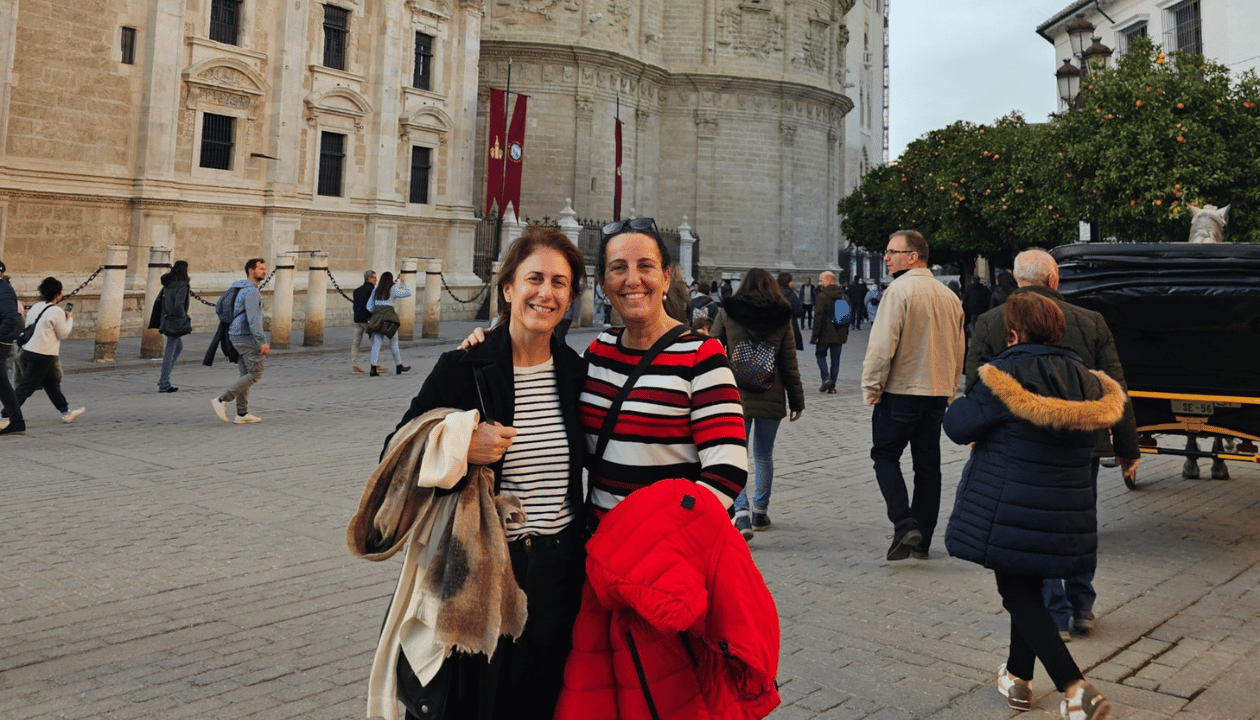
point(676, 620)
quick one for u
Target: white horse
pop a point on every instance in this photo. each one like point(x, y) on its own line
point(1207, 224)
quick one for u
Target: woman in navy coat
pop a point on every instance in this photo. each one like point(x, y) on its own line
point(1025, 504)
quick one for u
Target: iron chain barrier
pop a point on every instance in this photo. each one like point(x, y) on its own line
point(85, 283)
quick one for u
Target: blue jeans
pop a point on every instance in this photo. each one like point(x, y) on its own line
point(393, 347)
point(821, 351)
point(914, 420)
point(170, 355)
point(1074, 596)
point(761, 433)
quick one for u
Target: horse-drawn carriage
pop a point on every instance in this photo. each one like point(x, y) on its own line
point(1186, 321)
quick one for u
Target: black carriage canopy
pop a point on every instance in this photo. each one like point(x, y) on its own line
point(1186, 319)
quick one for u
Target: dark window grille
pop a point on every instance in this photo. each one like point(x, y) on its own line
point(1128, 34)
point(332, 155)
point(216, 141)
point(225, 21)
point(420, 175)
point(422, 77)
point(1188, 27)
point(128, 40)
point(336, 29)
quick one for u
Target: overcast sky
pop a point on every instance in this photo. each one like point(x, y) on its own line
point(973, 61)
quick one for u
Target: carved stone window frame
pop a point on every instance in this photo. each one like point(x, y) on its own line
point(429, 127)
point(337, 110)
point(222, 86)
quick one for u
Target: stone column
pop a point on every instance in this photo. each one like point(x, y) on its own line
point(109, 309)
point(151, 341)
point(588, 297)
point(573, 230)
point(316, 299)
point(512, 229)
point(406, 307)
point(432, 298)
point(686, 250)
point(494, 289)
point(282, 302)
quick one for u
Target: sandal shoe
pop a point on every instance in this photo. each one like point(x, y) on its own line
point(1018, 694)
point(1085, 704)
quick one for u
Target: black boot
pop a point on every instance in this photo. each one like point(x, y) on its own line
point(402, 369)
point(374, 373)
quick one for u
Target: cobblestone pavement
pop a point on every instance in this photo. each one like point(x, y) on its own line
point(159, 563)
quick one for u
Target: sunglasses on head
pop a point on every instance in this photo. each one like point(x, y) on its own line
point(638, 224)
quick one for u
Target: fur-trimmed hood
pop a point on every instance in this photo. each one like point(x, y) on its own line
point(1053, 412)
point(761, 318)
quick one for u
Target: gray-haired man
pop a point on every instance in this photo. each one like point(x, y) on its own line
point(361, 317)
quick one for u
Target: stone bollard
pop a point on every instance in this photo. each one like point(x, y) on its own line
point(588, 298)
point(686, 250)
point(432, 298)
point(494, 290)
point(151, 341)
point(573, 230)
point(109, 309)
point(282, 302)
point(406, 307)
point(316, 299)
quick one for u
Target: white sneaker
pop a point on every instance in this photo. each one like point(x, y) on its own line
point(220, 408)
point(69, 415)
point(247, 418)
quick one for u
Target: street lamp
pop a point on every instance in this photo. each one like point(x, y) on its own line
point(1080, 33)
point(1077, 31)
point(1098, 52)
point(1069, 80)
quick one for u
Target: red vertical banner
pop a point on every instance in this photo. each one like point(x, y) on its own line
point(496, 148)
point(515, 157)
point(617, 176)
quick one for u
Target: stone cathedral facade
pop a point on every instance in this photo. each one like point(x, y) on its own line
point(733, 116)
point(227, 129)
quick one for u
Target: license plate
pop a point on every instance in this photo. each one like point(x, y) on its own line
point(1200, 407)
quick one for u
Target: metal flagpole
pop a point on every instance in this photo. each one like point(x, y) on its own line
point(498, 225)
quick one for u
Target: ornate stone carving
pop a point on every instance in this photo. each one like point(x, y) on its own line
point(787, 131)
point(641, 117)
point(815, 46)
point(430, 10)
point(750, 30)
point(546, 9)
point(706, 125)
point(585, 107)
point(844, 6)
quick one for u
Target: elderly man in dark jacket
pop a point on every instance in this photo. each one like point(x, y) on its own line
point(361, 317)
point(1071, 601)
point(10, 327)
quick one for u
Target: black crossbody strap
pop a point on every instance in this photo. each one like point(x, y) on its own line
point(610, 419)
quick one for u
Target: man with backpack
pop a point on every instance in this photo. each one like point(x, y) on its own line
point(829, 336)
point(241, 309)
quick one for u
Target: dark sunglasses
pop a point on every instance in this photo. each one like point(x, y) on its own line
point(639, 224)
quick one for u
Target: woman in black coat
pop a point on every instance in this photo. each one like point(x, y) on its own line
point(174, 322)
point(525, 382)
point(1025, 503)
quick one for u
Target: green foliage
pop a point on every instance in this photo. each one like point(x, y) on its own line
point(1153, 136)
point(1160, 132)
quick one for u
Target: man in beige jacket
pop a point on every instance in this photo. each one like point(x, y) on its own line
point(913, 360)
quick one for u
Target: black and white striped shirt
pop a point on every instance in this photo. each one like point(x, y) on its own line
point(536, 466)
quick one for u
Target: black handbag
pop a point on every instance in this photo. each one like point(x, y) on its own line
point(28, 332)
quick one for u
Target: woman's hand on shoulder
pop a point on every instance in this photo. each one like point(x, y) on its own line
point(477, 337)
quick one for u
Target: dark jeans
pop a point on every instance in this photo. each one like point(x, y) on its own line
point(914, 420)
point(524, 678)
point(41, 371)
point(809, 314)
point(1033, 635)
point(1074, 596)
point(821, 352)
point(8, 398)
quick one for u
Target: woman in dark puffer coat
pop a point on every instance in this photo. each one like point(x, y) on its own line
point(1025, 505)
point(759, 313)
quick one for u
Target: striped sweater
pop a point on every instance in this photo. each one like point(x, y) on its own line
point(682, 419)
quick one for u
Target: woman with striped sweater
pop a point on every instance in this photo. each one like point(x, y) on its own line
point(683, 417)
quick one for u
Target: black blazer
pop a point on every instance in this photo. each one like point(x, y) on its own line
point(481, 378)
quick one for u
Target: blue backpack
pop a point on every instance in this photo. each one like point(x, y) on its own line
point(840, 312)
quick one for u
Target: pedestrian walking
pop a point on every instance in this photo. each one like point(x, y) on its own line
point(39, 355)
point(794, 301)
point(856, 292)
point(362, 294)
point(11, 324)
point(245, 332)
point(174, 322)
point(756, 322)
point(913, 359)
point(826, 336)
point(382, 302)
point(1025, 505)
point(808, 293)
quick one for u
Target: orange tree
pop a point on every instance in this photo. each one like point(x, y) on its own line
point(973, 190)
point(1160, 132)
